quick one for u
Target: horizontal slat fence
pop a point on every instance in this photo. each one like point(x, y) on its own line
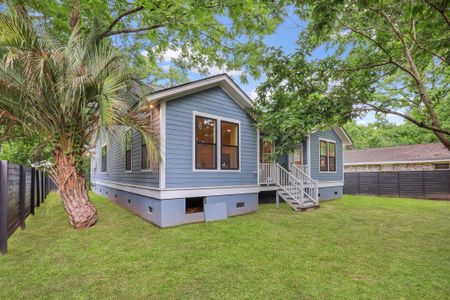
point(22, 189)
point(410, 184)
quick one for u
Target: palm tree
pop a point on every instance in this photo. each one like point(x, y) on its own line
point(69, 94)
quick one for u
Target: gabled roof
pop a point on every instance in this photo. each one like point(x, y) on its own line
point(343, 135)
point(229, 86)
point(221, 80)
point(399, 154)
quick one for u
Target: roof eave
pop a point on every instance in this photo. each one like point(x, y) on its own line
point(343, 135)
point(223, 81)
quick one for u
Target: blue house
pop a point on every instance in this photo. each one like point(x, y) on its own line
point(214, 163)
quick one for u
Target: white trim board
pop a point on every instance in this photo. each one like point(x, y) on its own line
point(323, 184)
point(342, 134)
point(162, 144)
point(223, 81)
point(175, 193)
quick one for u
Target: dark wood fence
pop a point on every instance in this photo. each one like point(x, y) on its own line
point(411, 184)
point(22, 190)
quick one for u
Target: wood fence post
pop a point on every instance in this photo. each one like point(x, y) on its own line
point(32, 190)
point(3, 206)
point(38, 189)
point(423, 184)
point(358, 183)
point(42, 186)
point(22, 187)
point(378, 183)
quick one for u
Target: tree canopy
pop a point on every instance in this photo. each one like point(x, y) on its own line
point(197, 35)
point(391, 57)
point(225, 34)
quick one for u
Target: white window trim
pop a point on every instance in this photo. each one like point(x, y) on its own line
point(218, 142)
point(101, 148)
point(308, 155)
point(328, 154)
point(162, 144)
point(149, 170)
point(131, 149)
point(291, 155)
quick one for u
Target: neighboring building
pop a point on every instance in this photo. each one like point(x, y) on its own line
point(214, 163)
point(421, 157)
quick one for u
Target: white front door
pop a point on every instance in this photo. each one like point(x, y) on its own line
point(295, 157)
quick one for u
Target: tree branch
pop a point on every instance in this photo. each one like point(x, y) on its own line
point(415, 42)
point(131, 30)
point(408, 117)
point(359, 68)
point(117, 20)
point(414, 70)
point(440, 10)
point(391, 60)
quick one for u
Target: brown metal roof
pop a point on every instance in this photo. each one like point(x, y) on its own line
point(410, 153)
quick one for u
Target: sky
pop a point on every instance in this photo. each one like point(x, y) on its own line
point(285, 37)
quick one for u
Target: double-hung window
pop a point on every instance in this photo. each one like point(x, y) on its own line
point(128, 143)
point(216, 144)
point(327, 156)
point(145, 162)
point(229, 148)
point(205, 143)
point(103, 161)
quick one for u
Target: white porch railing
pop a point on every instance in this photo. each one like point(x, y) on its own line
point(267, 174)
point(303, 168)
point(297, 183)
point(310, 186)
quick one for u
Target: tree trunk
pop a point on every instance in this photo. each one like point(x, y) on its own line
point(443, 139)
point(72, 188)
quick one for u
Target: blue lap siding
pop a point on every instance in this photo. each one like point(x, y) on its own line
point(179, 141)
point(116, 160)
point(315, 159)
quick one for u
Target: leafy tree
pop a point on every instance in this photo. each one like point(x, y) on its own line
point(385, 134)
point(67, 94)
point(391, 57)
point(226, 34)
point(63, 78)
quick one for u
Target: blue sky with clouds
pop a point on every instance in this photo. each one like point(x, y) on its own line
point(285, 37)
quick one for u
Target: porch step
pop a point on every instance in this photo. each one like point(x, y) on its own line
point(305, 206)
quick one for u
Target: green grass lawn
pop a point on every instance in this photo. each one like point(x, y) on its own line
point(356, 247)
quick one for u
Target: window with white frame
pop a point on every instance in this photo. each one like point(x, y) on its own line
point(205, 143)
point(216, 143)
point(229, 145)
point(103, 158)
point(145, 159)
point(327, 156)
point(128, 143)
point(145, 162)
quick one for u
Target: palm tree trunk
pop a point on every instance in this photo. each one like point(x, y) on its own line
point(72, 188)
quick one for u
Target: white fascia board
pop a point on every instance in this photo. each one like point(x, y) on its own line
point(323, 184)
point(173, 193)
point(223, 81)
point(346, 140)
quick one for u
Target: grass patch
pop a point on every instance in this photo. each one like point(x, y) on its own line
point(356, 247)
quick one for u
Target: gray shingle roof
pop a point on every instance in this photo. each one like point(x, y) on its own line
point(420, 152)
